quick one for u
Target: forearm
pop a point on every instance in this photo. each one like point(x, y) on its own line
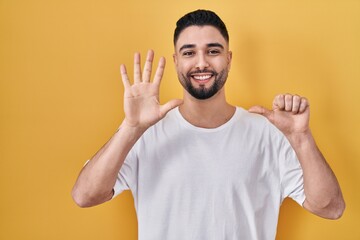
point(322, 190)
point(97, 178)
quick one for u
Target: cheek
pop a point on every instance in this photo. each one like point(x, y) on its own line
point(183, 66)
point(219, 64)
point(226, 65)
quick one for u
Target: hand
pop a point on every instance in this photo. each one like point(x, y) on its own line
point(290, 114)
point(141, 100)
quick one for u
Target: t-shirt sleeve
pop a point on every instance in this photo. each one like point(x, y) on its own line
point(291, 174)
point(126, 178)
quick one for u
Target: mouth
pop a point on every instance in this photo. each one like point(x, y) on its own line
point(202, 78)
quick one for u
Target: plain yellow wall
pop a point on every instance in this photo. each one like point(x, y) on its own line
point(61, 99)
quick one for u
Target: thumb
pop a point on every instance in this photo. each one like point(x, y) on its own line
point(262, 111)
point(164, 109)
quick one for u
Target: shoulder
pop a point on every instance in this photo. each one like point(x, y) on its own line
point(169, 123)
point(257, 125)
point(245, 117)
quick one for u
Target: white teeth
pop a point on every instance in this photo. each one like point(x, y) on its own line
point(203, 77)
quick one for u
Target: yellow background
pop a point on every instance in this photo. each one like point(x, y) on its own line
point(61, 99)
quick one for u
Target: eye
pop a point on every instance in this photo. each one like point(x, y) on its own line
point(188, 53)
point(214, 52)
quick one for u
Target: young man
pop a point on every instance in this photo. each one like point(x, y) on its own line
point(200, 168)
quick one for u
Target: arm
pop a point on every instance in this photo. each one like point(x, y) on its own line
point(290, 114)
point(142, 110)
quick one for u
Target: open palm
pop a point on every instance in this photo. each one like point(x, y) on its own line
point(141, 100)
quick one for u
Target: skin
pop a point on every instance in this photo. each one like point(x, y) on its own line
point(215, 111)
point(199, 52)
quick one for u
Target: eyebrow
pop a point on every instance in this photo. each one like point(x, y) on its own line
point(215, 45)
point(185, 46)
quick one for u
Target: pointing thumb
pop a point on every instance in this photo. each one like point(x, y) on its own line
point(262, 111)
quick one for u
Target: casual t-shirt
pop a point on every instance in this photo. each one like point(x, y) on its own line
point(192, 183)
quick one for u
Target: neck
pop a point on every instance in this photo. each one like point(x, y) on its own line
point(208, 113)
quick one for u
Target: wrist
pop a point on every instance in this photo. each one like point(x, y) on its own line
point(126, 126)
point(298, 139)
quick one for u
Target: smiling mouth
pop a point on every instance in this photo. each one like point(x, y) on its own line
point(202, 78)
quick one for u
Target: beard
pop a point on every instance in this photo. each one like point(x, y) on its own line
point(203, 92)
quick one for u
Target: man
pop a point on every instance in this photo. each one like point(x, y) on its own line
point(200, 168)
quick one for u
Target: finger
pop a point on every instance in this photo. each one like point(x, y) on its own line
point(159, 71)
point(164, 109)
point(262, 111)
point(124, 76)
point(288, 102)
point(304, 104)
point(296, 104)
point(279, 102)
point(148, 66)
point(137, 68)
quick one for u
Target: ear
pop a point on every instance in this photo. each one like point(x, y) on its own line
point(175, 58)
point(229, 58)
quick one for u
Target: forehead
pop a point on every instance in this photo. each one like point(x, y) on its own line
point(200, 36)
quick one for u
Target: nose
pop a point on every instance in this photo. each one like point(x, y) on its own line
point(202, 61)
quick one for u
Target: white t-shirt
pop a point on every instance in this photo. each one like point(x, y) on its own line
point(192, 183)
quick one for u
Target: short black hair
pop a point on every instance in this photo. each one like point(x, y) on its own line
point(200, 17)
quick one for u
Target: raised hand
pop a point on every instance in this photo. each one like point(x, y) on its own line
point(141, 100)
point(290, 113)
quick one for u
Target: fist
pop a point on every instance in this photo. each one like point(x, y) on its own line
point(290, 103)
point(290, 113)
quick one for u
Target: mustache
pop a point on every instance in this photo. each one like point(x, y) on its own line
point(202, 71)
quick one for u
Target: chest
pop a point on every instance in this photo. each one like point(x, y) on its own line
point(209, 162)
